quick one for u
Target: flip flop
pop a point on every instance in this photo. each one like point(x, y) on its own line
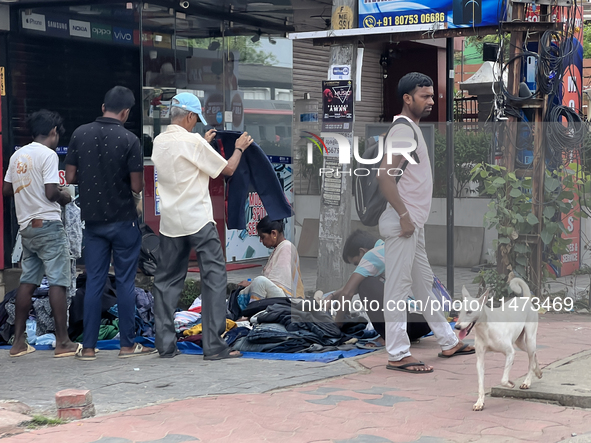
point(69, 354)
point(458, 352)
point(404, 368)
point(79, 356)
point(27, 351)
point(138, 351)
point(222, 355)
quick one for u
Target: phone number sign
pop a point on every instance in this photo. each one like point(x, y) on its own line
point(446, 13)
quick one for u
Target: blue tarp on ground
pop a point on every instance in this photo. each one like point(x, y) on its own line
point(192, 349)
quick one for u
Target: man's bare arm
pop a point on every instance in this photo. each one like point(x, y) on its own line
point(7, 190)
point(71, 174)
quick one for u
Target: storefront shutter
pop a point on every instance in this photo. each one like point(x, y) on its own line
point(310, 67)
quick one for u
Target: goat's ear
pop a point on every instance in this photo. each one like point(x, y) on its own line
point(483, 298)
point(465, 292)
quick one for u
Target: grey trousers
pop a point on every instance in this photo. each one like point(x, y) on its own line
point(169, 281)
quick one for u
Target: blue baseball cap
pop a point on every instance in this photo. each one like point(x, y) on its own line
point(189, 102)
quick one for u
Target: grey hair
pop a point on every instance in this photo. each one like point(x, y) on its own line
point(177, 113)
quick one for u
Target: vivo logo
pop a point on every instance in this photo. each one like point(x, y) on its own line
point(123, 36)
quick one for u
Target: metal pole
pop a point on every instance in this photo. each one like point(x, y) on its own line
point(449, 93)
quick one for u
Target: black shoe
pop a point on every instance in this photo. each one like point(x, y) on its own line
point(174, 354)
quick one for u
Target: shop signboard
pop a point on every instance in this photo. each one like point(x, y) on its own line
point(422, 14)
point(79, 28)
point(245, 244)
point(123, 35)
point(35, 22)
point(572, 85)
point(337, 106)
point(101, 32)
point(57, 26)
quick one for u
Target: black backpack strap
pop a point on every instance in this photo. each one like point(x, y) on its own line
point(414, 155)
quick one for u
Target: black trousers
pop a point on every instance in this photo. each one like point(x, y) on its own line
point(372, 289)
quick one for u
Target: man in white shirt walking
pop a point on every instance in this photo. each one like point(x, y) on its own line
point(185, 162)
point(33, 178)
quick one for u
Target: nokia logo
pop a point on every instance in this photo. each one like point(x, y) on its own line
point(80, 28)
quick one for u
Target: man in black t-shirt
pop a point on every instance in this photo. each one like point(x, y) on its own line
point(105, 160)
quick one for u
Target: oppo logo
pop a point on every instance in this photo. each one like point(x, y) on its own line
point(100, 31)
point(80, 28)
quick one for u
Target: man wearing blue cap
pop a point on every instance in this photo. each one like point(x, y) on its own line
point(185, 162)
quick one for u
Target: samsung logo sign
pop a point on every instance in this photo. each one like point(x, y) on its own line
point(57, 25)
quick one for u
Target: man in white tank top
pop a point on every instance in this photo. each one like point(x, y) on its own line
point(402, 225)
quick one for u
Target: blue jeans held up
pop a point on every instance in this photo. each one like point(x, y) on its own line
point(124, 240)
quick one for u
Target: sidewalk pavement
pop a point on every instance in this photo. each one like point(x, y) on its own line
point(354, 401)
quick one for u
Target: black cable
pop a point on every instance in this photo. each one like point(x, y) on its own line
point(561, 138)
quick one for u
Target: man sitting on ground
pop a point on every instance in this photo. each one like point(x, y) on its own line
point(365, 251)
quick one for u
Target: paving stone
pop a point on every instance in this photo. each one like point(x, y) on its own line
point(332, 400)
point(365, 438)
point(172, 438)
point(9, 421)
point(376, 390)
point(387, 400)
point(321, 391)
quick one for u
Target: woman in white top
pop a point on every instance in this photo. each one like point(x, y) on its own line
point(281, 275)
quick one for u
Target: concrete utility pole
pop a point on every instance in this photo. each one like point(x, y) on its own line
point(335, 220)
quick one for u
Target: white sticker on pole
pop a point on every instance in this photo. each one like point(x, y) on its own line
point(339, 72)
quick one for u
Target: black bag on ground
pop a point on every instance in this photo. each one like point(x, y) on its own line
point(233, 311)
point(369, 201)
point(416, 326)
point(148, 259)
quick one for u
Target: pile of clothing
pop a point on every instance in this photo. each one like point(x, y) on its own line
point(281, 326)
point(109, 329)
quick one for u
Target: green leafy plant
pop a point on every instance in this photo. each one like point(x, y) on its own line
point(470, 148)
point(190, 292)
point(495, 282)
point(510, 213)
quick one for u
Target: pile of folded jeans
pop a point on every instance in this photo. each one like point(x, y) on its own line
point(287, 329)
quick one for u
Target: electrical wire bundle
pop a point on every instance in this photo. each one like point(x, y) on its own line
point(561, 138)
point(549, 69)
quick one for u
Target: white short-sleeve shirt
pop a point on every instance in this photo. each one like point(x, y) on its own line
point(30, 169)
point(416, 184)
point(184, 162)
